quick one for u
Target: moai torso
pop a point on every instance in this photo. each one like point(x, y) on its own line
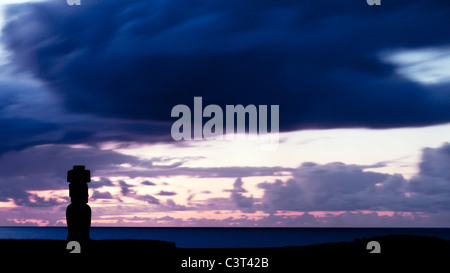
point(78, 213)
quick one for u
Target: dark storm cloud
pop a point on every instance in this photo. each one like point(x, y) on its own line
point(24, 132)
point(32, 115)
point(319, 61)
point(22, 119)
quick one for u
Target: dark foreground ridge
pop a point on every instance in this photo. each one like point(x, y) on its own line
point(161, 256)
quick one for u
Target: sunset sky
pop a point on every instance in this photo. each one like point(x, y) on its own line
point(363, 93)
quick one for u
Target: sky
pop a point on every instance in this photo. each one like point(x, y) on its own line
point(364, 112)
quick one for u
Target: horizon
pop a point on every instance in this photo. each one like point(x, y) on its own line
point(219, 237)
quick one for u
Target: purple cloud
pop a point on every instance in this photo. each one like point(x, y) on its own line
point(101, 195)
point(166, 193)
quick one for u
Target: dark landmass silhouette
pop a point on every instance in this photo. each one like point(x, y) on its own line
point(162, 256)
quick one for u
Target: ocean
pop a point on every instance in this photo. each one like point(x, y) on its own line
point(225, 237)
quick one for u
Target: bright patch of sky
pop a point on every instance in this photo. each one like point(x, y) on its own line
point(425, 65)
point(399, 150)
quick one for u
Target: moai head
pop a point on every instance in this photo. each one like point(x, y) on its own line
point(78, 178)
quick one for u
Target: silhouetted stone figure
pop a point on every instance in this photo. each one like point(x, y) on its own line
point(78, 213)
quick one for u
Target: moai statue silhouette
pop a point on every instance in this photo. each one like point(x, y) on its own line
point(78, 213)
